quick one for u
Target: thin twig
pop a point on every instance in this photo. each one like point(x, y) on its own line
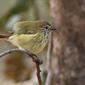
point(38, 74)
point(49, 52)
point(35, 59)
point(49, 62)
point(49, 78)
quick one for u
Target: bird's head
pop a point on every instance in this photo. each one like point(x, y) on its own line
point(46, 27)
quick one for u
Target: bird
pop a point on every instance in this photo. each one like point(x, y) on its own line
point(30, 35)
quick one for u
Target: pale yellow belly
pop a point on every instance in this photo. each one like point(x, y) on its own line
point(31, 43)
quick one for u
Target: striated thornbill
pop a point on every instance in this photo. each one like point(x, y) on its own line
point(31, 35)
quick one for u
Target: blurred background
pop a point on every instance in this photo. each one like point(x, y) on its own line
point(68, 42)
point(16, 69)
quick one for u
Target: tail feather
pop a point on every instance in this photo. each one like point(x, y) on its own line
point(4, 36)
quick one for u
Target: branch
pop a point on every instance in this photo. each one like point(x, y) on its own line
point(49, 78)
point(49, 51)
point(35, 59)
point(49, 62)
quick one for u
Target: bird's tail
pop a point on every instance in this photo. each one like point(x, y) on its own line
point(4, 36)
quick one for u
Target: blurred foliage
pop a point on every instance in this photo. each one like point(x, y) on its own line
point(34, 9)
point(44, 77)
point(19, 7)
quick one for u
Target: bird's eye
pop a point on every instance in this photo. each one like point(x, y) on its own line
point(46, 27)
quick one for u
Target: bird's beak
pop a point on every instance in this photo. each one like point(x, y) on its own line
point(52, 28)
point(7, 34)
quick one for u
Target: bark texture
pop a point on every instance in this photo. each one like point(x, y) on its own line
point(69, 41)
